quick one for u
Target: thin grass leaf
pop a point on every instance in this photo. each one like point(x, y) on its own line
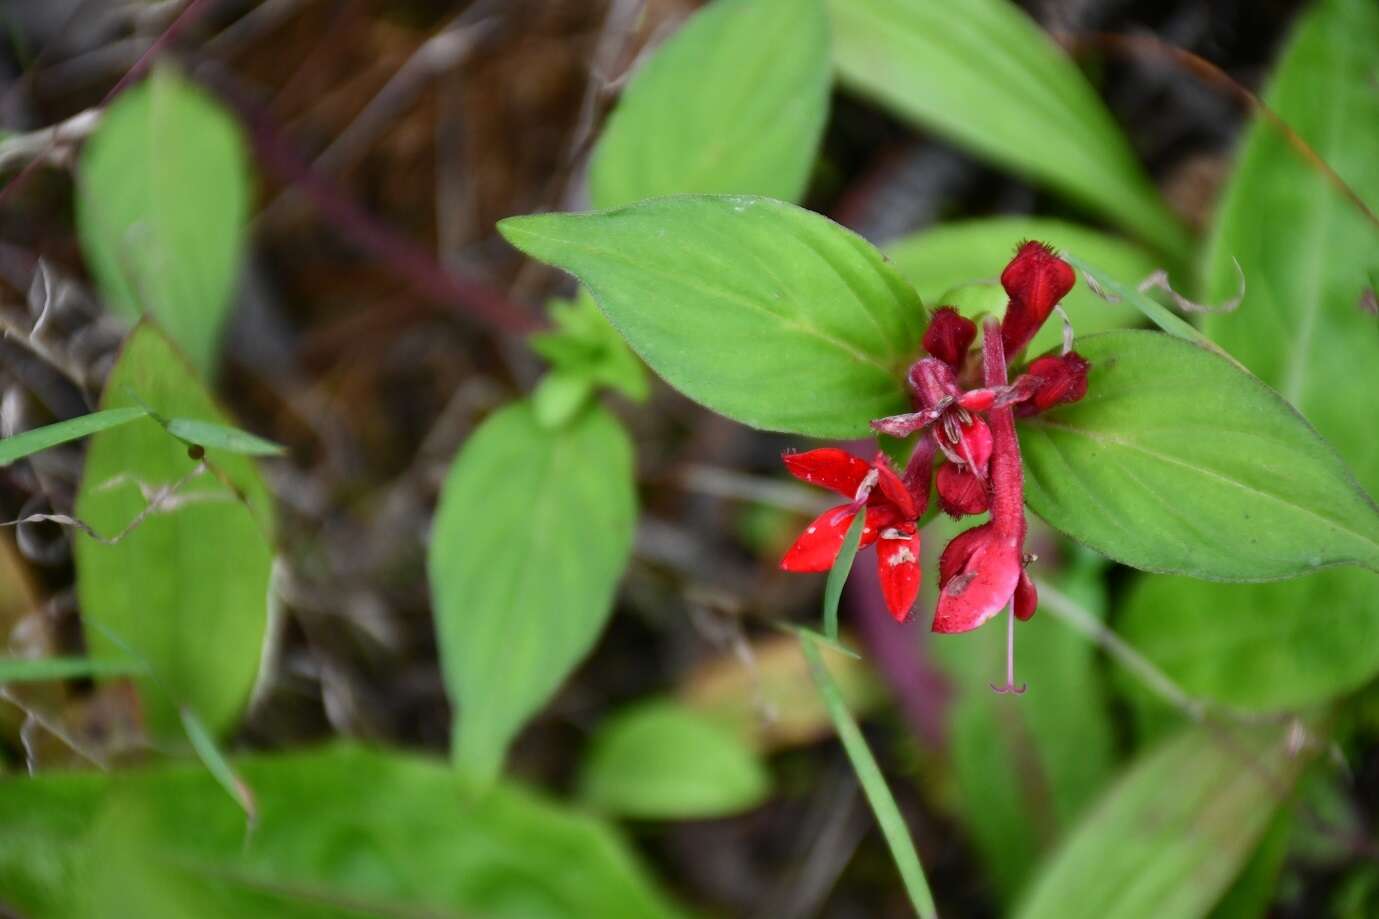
point(873, 784)
point(1115, 292)
point(838, 575)
point(37, 669)
point(801, 631)
point(221, 437)
point(216, 764)
point(22, 445)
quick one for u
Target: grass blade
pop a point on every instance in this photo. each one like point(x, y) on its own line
point(216, 763)
point(838, 574)
point(37, 669)
point(21, 445)
point(873, 784)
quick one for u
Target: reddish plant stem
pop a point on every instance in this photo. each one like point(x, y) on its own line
point(1007, 479)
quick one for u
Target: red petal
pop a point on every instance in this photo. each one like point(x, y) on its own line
point(828, 467)
point(819, 544)
point(897, 560)
point(982, 587)
point(892, 489)
point(1036, 280)
point(949, 336)
point(1026, 597)
point(961, 492)
point(959, 550)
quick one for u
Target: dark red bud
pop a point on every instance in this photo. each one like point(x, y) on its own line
point(1026, 597)
point(1035, 280)
point(949, 336)
point(961, 492)
point(1059, 380)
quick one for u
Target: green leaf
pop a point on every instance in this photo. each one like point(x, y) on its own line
point(1249, 897)
point(972, 253)
point(1172, 833)
point(162, 203)
point(764, 312)
point(1026, 767)
point(531, 536)
point(1179, 462)
point(983, 75)
point(1272, 646)
point(220, 769)
point(21, 445)
point(659, 760)
point(873, 783)
point(583, 343)
point(186, 589)
point(337, 826)
point(838, 575)
point(1260, 646)
point(222, 437)
point(39, 669)
point(735, 102)
point(559, 397)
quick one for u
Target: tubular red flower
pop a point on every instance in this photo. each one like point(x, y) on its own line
point(1056, 380)
point(961, 492)
point(891, 513)
point(1035, 280)
point(981, 569)
point(949, 336)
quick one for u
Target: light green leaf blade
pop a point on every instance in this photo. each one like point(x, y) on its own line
point(1260, 646)
point(162, 203)
point(21, 445)
point(1170, 835)
point(660, 760)
point(1279, 646)
point(559, 397)
point(343, 823)
point(972, 253)
point(222, 437)
point(186, 590)
point(983, 75)
point(734, 102)
point(1177, 461)
point(764, 312)
point(873, 783)
point(39, 669)
point(531, 536)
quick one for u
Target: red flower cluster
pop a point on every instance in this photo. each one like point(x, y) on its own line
point(965, 406)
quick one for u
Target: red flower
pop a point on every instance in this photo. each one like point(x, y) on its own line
point(891, 521)
point(1053, 381)
point(1035, 280)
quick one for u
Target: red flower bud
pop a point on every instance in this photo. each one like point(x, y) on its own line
point(1026, 597)
point(1035, 281)
point(960, 491)
point(1056, 380)
point(949, 336)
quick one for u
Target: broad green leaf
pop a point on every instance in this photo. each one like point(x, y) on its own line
point(764, 312)
point(985, 76)
point(337, 826)
point(1303, 642)
point(661, 760)
point(735, 102)
point(1170, 835)
point(1259, 646)
point(1177, 461)
point(1025, 767)
point(186, 590)
point(21, 445)
point(221, 437)
point(972, 253)
point(1253, 890)
point(531, 536)
point(38, 669)
point(162, 203)
point(874, 786)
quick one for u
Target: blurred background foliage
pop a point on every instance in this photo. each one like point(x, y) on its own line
point(491, 534)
